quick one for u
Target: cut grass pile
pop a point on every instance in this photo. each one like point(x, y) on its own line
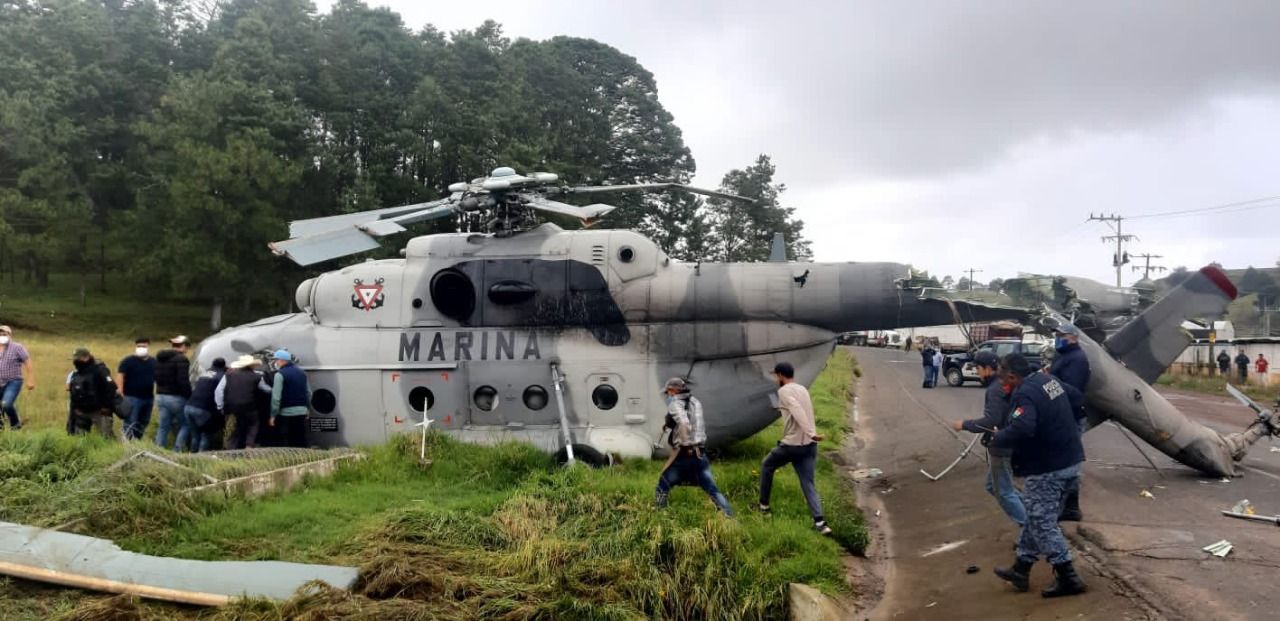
point(497, 532)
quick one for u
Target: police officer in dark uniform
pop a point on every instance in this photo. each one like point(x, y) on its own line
point(1045, 440)
point(1071, 367)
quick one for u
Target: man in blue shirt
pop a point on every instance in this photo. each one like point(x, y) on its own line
point(1071, 367)
point(995, 416)
point(290, 399)
point(1045, 441)
point(136, 380)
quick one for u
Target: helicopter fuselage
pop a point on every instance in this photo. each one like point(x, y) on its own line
point(467, 327)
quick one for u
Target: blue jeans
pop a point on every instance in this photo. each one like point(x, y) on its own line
point(170, 408)
point(135, 425)
point(804, 459)
point(1041, 535)
point(9, 402)
point(690, 468)
point(190, 438)
point(930, 375)
point(1000, 485)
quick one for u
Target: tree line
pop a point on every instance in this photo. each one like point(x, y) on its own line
point(169, 140)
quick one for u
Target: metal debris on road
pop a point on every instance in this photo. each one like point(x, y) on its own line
point(1145, 494)
point(1243, 507)
point(963, 454)
point(972, 569)
point(944, 547)
point(1219, 549)
point(866, 473)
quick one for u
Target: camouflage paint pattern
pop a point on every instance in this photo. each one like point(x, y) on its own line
point(616, 314)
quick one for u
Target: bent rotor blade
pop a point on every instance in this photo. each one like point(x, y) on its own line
point(316, 226)
point(324, 246)
point(640, 187)
point(358, 234)
point(587, 214)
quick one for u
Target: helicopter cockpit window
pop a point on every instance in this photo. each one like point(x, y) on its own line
point(627, 254)
point(535, 397)
point(323, 401)
point(453, 294)
point(604, 397)
point(486, 398)
point(421, 398)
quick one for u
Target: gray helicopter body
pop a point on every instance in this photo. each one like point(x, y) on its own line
point(469, 325)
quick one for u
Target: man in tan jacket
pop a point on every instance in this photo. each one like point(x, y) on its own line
point(798, 447)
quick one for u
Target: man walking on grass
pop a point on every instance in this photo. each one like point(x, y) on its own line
point(136, 381)
point(14, 361)
point(798, 446)
point(92, 395)
point(688, 462)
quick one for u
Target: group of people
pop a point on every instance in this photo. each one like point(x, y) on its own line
point(1242, 365)
point(931, 357)
point(1031, 424)
point(267, 408)
point(798, 447)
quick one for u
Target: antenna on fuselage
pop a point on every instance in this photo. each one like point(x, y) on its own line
point(778, 252)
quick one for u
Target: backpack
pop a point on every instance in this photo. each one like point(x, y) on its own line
point(84, 390)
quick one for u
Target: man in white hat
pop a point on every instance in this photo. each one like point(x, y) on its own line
point(236, 396)
point(14, 362)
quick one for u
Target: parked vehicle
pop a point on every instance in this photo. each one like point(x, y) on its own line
point(959, 368)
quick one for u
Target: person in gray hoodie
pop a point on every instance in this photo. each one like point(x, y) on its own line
point(995, 415)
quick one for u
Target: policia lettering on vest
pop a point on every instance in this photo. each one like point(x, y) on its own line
point(1045, 441)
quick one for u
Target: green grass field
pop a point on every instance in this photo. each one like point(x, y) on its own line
point(1217, 385)
point(484, 532)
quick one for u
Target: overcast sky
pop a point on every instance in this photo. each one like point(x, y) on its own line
point(975, 134)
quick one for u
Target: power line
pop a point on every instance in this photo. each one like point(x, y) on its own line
point(1257, 203)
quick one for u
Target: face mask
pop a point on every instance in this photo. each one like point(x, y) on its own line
point(1060, 343)
point(82, 365)
point(140, 352)
point(4, 340)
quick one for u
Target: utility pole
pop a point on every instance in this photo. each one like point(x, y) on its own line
point(971, 271)
point(1147, 267)
point(1121, 257)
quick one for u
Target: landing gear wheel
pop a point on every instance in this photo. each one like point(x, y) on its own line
point(954, 377)
point(585, 454)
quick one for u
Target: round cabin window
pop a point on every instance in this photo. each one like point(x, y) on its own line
point(486, 398)
point(627, 254)
point(604, 397)
point(323, 401)
point(535, 397)
point(453, 294)
point(421, 396)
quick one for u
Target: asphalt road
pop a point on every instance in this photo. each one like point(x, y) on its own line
point(1141, 556)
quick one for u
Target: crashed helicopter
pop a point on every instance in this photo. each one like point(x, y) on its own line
point(520, 330)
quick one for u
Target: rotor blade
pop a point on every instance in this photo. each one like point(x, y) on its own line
point(324, 246)
point(390, 226)
point(1245, 400)
point(639, 187)
point(315, 226)
point(587, 214)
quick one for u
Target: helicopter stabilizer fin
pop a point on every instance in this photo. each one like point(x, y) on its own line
point(1153, 340)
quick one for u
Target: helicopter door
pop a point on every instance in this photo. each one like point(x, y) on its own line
point(405, 393)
